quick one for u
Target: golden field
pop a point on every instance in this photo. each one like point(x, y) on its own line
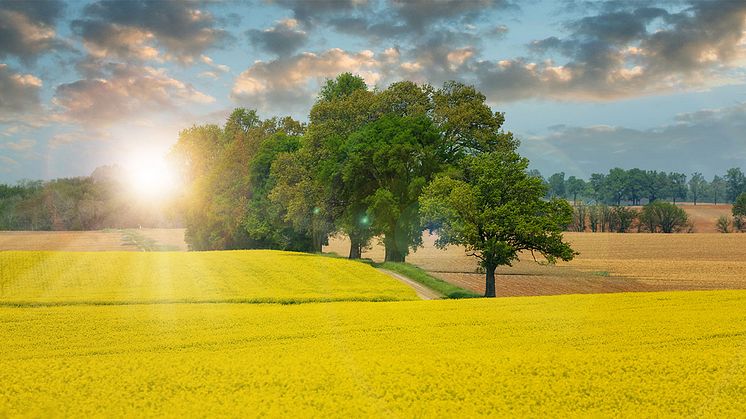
point(629, 355)
point(60, 278)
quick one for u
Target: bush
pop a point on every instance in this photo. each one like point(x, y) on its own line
point(723, 224)
point(739, 224)
point(664, 217)
point(623, 218)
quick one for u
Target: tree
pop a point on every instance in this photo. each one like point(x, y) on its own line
point(739, 212)
point(664, 217)
point(557, 185)
point(386, 165)
point(735, 184)
point(341, 86)
point(723, 224)
point(575, 187)
point(678, 185)
point(495, 210)
point(739, 207)
point(696, 186)
point(635, 186)
point(717, 189)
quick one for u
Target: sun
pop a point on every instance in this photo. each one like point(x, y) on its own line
point(149, 175)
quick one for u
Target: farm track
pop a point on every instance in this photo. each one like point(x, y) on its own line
point(422, 291)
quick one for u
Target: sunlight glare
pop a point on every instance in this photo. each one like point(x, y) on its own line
point(150, 175)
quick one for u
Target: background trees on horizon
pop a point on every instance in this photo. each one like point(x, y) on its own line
point(635, 187)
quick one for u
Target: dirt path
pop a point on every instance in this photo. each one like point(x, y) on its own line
point(422, 291)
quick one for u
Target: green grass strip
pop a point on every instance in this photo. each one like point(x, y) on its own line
point(418, 275)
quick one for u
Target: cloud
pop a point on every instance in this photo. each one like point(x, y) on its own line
point(135, 29)
point(20, 145)
point(421, 14)
point(625, 53)
point(7, 164)
point(290, 83)
point(126, 91)
point(392, 19)
point(308, 12)
point(707, 141)
point(27, 27)
point(282, 39)
point(19, 93)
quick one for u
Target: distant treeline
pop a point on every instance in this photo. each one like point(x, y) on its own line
point(91, 202)
point(636, 186)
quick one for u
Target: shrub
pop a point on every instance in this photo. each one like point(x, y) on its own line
point(623, 218)
point(665, 217)
point(723, 224)
point(739, 224)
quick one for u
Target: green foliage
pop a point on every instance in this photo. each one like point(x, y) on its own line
point(227, 182)
point(664, 217)
point(697, 186)
point(575, 187)
point(735, 184)
point(342, 86)
point(495, 211)
point(622, 218)
point(723, 224)
point(556, 185)
point(94, 202)
point(739, 207)
point(388, 163)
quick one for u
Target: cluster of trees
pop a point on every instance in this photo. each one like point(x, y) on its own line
point(635, 186)
point(655, 217)
point(93, 202)
point(384, 163)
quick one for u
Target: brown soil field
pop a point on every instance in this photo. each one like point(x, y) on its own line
point(704, 216)
point(608, 262)
point(106, 240)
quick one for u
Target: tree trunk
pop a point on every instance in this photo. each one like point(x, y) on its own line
point(393, 254)
point(489, 285)
point(356, 249)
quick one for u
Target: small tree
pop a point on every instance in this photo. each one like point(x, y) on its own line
point(494, 209)
point(624, 217)
point(739, 208)
point(575, 187)
point(664, 217)
point(579, 217)
point(723, 224)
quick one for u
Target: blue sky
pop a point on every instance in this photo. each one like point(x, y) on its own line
point(586, 86)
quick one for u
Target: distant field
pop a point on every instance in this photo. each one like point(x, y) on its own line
point(105, 240)
point(65, 278)
point(704, 216)
point(622, 355)
point(608, 262)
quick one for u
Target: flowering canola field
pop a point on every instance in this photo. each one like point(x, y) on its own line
point(65, 278)
point(642, 354)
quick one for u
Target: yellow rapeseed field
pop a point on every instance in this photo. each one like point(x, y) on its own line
point(63, 278)
point(629, 355)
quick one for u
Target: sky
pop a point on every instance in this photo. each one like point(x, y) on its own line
point(585, 85)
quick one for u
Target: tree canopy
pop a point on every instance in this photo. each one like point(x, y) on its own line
point(494, 208)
